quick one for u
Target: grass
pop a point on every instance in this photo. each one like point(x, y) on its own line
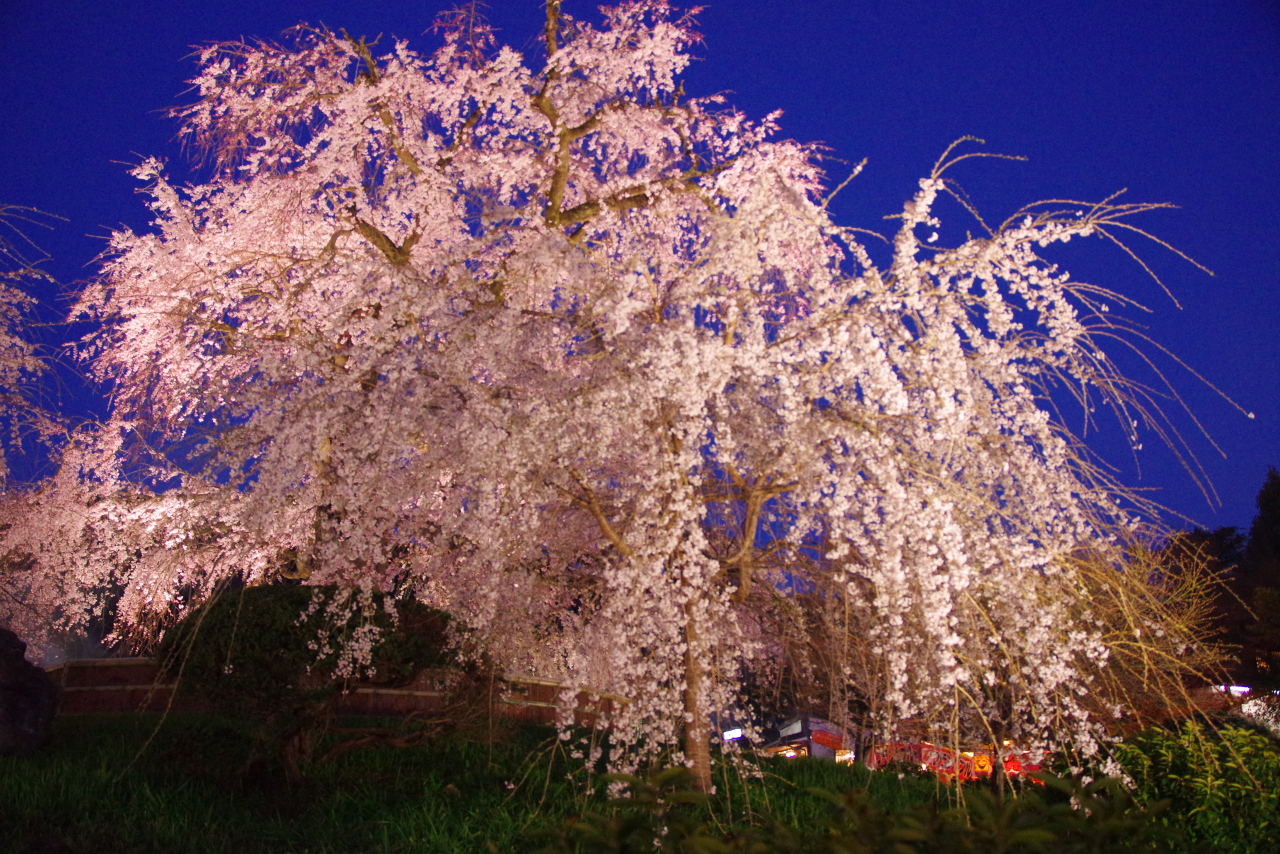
point(123, 784)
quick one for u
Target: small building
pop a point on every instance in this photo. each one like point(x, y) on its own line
point(806, 735)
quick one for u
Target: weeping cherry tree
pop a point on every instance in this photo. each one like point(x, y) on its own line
point(585, 361)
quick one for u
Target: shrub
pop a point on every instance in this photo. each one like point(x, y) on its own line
point(252, 653)
point(663, 813)
point(1223, 784)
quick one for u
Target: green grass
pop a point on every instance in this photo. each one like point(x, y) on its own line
point(120, 784)
point(96, 790)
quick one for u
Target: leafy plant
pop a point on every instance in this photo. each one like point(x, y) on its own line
point(662, 813)
point(253, 653)
point(1223, 785)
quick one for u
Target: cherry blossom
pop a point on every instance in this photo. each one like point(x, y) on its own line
point(545, 342)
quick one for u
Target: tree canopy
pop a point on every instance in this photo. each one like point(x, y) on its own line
point(549, 344)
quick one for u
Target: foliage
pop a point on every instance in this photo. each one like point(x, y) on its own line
point(109, 784)
point(1155, 618)
point(585, 362)
point(1223, 784)
point(1265, 636)
point(1259, 586)
point(1264, 535)
point(120, 785)
point(660, 814)
point(1247, 609)
point(250, 653)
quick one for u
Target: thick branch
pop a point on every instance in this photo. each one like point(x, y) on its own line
point(592, 503)
point(467, 127)
point(632, 197)
point(397, 255)
point(397, 143)
point(552, 30)
point(589, 210)
point(361, 48)
point(744, 559)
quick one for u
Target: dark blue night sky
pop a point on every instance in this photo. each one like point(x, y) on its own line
point(1175, 101)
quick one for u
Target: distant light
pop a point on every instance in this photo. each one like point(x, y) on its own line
point(1235, 690)
point(731, 734)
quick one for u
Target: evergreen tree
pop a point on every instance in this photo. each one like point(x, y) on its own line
point(1262, 557)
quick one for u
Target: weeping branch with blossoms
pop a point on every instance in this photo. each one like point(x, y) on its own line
point(29, 424)
point(25, 417)
point(586, 362)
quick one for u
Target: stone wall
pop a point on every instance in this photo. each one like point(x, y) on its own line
point(131, 685)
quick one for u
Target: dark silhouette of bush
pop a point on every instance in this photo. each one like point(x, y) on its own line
point(253, 654)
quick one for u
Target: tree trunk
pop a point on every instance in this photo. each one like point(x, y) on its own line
point(697, 728)
point(999, 777)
